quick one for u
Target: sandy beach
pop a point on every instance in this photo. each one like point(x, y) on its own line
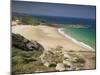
point(48, 36)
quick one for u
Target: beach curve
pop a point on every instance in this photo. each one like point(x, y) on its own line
point(49, 37)
point(60, 30)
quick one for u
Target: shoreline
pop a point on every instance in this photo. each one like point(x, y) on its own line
point(50, 37)
point(60, 30)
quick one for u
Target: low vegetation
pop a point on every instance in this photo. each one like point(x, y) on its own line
point(27, 20)
point(26, 62)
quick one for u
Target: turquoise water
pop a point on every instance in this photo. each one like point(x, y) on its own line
point(87, 36)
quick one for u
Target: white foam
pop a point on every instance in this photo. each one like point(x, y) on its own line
point(60, 30)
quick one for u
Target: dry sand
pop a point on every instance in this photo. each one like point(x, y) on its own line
point(48, 36)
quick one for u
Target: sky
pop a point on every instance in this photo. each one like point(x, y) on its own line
point(54, 9)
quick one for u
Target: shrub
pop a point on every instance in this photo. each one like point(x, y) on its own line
point(25, 62)
point(52, 65)
point(27, 20)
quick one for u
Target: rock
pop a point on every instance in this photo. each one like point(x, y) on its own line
point(77, 68)
point(68, 69)
point(21, 42)
point(67, 56)
point(46, 64)
point(67, 62)
point(60, 67)
point(68, 65)
point(52, 56)
point(78, 60)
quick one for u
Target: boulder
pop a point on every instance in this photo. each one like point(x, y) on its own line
point(60, 67)
point(46, 64)
point(21, 42)
point(68, 65)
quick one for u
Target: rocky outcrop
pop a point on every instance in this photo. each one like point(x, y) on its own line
point(25, 44)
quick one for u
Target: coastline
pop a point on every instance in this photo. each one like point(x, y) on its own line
point(49, 36)
point(60, 30)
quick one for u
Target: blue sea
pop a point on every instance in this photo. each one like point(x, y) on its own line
point(68, 20)
point(85, 35)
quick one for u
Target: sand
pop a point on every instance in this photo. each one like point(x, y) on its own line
point(48, 36)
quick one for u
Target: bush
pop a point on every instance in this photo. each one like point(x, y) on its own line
point(27, 20)
point(25, 62)
point(52, 65)
point(17, 60)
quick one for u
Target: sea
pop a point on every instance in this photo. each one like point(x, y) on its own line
point(86, 35)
